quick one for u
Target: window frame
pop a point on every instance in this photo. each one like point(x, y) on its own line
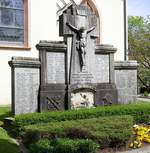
point(25, 45)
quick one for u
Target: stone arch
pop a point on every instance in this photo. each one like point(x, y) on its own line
point(93, 7)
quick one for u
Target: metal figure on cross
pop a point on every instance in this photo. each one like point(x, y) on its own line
point(82, 34)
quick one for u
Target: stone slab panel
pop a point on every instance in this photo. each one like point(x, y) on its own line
point(102, 68)
point(26, 86)
point(126, 83)
point(55, 67)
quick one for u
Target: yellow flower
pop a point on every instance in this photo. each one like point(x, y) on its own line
point(141, 134)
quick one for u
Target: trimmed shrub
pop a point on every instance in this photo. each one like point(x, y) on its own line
point(31, 137)
point(78, 133)
point(42, 146)
point(107, 131)
point(139, 111)
point(64, 146)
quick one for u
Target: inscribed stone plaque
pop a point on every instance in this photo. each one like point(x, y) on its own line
point(55, 67)
point(26, 90)
point(82, 78)
point(102, 68)
point(82, 100)
point(126, 83)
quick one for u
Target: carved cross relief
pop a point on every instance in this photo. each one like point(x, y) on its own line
point(80, 23)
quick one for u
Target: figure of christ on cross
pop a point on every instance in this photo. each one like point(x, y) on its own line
point(82, 34)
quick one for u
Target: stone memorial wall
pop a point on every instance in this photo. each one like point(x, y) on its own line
point(74, 73)
point(25, 84)
point(73, 68)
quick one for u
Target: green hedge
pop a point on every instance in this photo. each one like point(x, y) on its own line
point(107, 131)
point(140, 112)
point(63, 146)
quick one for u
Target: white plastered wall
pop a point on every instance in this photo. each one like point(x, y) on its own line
point(112, 24)
point(42, 26)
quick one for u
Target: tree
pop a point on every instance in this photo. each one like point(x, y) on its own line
point(139, 47)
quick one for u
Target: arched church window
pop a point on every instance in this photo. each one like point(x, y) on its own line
point(13, 23)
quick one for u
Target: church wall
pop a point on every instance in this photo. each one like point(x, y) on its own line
point(42, 26)
point(112, 25)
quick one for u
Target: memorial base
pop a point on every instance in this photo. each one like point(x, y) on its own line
point(91, 95)
point(52, 97)
point(106, 94)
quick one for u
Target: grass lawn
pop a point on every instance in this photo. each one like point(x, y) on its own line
point(7, 145)
point(4, 112)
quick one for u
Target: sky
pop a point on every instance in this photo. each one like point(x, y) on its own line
point(138, 7)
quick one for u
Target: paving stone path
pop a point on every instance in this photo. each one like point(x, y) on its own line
point(145, 149)
point(144, 99)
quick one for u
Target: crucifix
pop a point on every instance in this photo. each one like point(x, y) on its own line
point(82, 33)
point(78, 25)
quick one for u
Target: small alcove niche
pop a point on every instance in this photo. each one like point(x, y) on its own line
point(82, 97)
point(62, 5)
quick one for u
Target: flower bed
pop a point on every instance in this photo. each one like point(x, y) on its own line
point(141, 135)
